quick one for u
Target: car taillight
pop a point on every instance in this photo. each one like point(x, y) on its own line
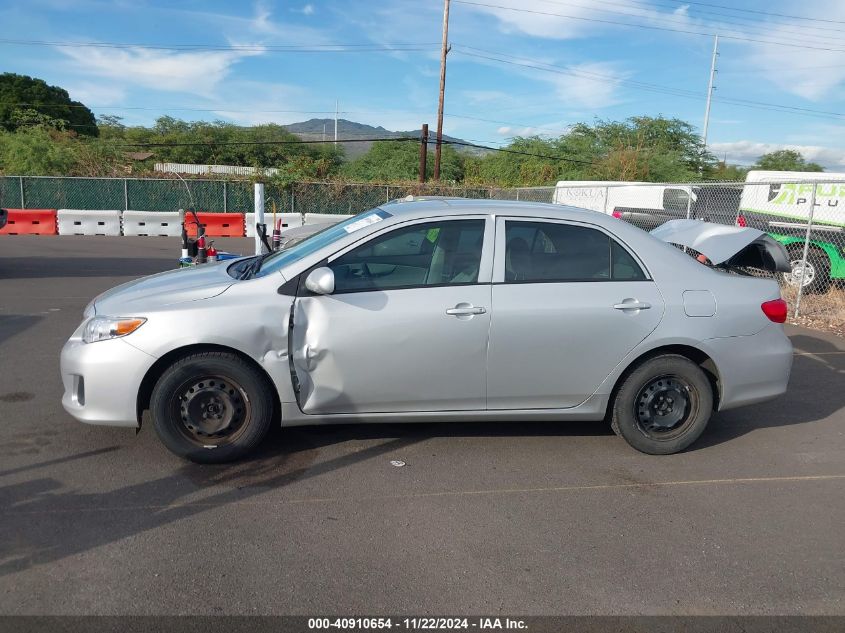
point(775, 309)
point(617, 214)
point(740, 221)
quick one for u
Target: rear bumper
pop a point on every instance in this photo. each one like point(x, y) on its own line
point(751, 368)
point(101, 381)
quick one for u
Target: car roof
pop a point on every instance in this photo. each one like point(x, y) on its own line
point(409, 208)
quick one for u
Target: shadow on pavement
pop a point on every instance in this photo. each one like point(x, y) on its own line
point(43, 523)
point(13, 324)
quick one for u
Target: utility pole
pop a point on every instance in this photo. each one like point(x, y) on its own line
point(423, 150)
point(335, 122)
point(710, 89)
point(444, 50)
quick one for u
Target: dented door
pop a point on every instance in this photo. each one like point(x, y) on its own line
point(392, 350)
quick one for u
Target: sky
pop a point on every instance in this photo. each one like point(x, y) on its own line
point(516, 67)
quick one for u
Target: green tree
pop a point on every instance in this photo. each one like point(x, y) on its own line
point(21, 95)
point(723, 171)
point(390, 161)
point(35, 152)
point(221, 143)
point(641, 148)
point(785, 160)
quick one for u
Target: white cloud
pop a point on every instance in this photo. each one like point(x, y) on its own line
point(196, 72)
point(308, 9)
point(747, 152)
point(542, 18)
point(249, 102)
point(96, 94)
point(593, 85)
point(811, 73)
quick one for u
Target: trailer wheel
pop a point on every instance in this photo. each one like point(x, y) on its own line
point(816, 272)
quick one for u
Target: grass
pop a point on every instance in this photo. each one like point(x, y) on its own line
point(818, 311)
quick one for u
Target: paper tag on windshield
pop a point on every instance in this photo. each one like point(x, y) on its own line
point(367, 220)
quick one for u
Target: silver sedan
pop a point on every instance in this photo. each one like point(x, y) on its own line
point(443, 310)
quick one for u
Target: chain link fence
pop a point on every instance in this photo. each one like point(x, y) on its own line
point(806, 216)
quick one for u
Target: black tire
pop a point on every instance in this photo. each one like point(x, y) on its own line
point(212, 407)
point(817, 274)
point(662, 426)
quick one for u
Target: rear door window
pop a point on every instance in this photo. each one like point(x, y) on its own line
point(546, 251)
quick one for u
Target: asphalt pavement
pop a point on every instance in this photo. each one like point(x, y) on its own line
point(512, 518)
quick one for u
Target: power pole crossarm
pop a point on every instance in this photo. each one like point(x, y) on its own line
point(444, 50)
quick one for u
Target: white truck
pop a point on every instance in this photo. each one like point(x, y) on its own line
point(649, 205)
point(779, 202)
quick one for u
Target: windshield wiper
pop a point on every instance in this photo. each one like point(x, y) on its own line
point(254, 266)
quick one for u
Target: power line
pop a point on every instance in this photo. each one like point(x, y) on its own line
point(518, 152)
point(402, 138)
point(299, 142)
point(769, 13)
point(576, 72)
point(647, 26)
point(257, 48)
point(746, 22)
point(660, 89)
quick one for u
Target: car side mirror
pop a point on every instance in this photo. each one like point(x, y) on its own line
point(320, 281)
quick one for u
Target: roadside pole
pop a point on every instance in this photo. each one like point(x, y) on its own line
point(443, 52)
point(423, 151)
point(259, 216)
point(806, 251)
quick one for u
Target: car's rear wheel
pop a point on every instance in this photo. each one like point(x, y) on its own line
point(816, 272)
point(211, 407)
point(663, 406)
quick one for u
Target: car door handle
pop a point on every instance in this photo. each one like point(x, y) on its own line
point(465, 311)
point(632, 304)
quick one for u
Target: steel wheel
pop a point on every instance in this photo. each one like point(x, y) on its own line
point(664, 406)
point(793, 278)
point(211, 409)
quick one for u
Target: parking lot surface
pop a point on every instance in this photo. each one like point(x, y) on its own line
point(529, 518)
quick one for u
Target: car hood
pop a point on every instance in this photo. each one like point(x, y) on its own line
point(167, 288)
point(726, 245)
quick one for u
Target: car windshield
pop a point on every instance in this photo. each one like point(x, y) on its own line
point(319, 240)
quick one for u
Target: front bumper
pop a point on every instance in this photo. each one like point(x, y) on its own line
point(101, 381)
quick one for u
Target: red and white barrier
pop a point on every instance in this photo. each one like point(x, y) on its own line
point(217, 224)
point(85, 222)
point(289, 221)
point(152, 223)
point(30, 222)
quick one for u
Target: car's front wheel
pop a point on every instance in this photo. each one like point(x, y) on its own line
point(663, 405)
point(211, 407)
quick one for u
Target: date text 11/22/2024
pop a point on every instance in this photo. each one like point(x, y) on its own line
point(420, 623)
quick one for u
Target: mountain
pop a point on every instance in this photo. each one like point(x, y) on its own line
point(323, 129)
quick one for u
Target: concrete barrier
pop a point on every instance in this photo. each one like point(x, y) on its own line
point(152, 223)
point(323, 218)
point(84, 222)
point(289, 221)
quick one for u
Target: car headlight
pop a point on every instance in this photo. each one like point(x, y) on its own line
point(101, 328)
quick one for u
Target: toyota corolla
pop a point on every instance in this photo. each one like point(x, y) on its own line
point(443, 310)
